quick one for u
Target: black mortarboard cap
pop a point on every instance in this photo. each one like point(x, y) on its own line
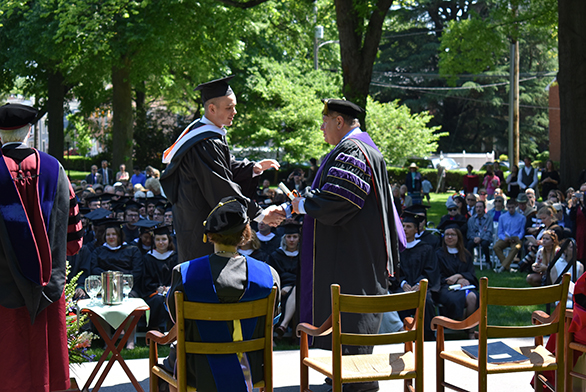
point(215, 88)
point(98, 213)
point(162, 230)
point(410, 217)
point(228, 217)
point(291, 228)
point(84, 210)
point(417, 209)
point(146, 225)
point(342, 106)
point(448, 224)
point(109, 222)
point(15, 115)
point(132, 204)
point(107, 197)
point(92, 197)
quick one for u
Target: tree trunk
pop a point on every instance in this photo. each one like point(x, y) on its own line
point(122, 141)
point(55, 102)
point(357, 50)
point(572, 79)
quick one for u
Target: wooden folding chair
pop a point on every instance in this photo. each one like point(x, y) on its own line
point(371, 367)
point(539, 358)
point(213, 312)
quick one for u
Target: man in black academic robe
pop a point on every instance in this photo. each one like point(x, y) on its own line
point(349, 234)
point(418, 261)
point(202, 171)
point(422, 234)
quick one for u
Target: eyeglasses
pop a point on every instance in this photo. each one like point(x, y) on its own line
point(452, 209)
point(498, 201)
point(482, 193)
point(450, 235)
point(471, 199)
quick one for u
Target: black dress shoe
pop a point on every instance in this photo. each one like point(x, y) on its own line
point(328, 381)
point(370, 386)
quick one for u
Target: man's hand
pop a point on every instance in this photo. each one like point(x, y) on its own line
point(407, 287)
point(274, 215)
point(477, 240)
point(295, 203)
point(79, 294)
point(265, 164)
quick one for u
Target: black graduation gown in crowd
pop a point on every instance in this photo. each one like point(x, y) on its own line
point(268, 247)
point(454, 302)
point(230, 279)
point(126, 259)
point(459, 219)
point(349, 237)
point(81, 262)
point(198, 176)
point(130, 235)
point(417, 263)
point(431, 239)
point(157, 273)
point(286, 266)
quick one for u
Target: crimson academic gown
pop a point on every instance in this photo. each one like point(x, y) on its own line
point(33, 333)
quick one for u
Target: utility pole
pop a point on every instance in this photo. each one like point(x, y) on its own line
point(514, 97)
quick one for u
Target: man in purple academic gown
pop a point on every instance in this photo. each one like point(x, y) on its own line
point(349, 232)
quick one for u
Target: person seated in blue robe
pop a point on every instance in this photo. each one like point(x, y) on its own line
point(222, 277)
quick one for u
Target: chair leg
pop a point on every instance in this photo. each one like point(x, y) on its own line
point(304, 370)
point(153, 359)
point(439, 362)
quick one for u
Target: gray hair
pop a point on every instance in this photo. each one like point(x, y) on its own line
point(15, 135)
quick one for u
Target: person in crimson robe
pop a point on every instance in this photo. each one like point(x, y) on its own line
point(202, 170)
point(349, 235)
point(39, 227)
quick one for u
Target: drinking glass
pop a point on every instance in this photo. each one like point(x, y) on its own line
point(127, 283)
point(93, 286)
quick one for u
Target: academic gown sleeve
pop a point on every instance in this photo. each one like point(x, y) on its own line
point(348, 181)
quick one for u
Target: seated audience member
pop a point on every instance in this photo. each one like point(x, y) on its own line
point(530, 192)
point(158, 264)
point(122, 175)
point(511, 230)
point(528, 211)
point(545, 255)
point(546, 217)
point(470, 181)
point(406, 200)
point(116, 255)
point(559, 267)
point(296, 180)
point(479, 231)
point(252, 248)
point(456, 268)
point(152, 184)
point(454, 217)
point(462, 206)
point(285, 261)
point(269, 242)
point(578, 217)
point(138, 177)
point(498, 192)
point(422, 234)
point(418, 261)
point(223, 277)
point(131, 217)
point(397, 198)
point(159, 212)
point(471, 203)
point(499, 208)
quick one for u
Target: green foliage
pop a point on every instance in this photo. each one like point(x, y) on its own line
point(282, 109)
point(80, 133)
point(400, 134)
point(77, 342)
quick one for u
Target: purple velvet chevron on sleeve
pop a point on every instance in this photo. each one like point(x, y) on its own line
point(344, 193)
point(350, 177)
point(354, 162)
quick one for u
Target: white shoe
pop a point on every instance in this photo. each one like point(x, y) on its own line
point(499, 270)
